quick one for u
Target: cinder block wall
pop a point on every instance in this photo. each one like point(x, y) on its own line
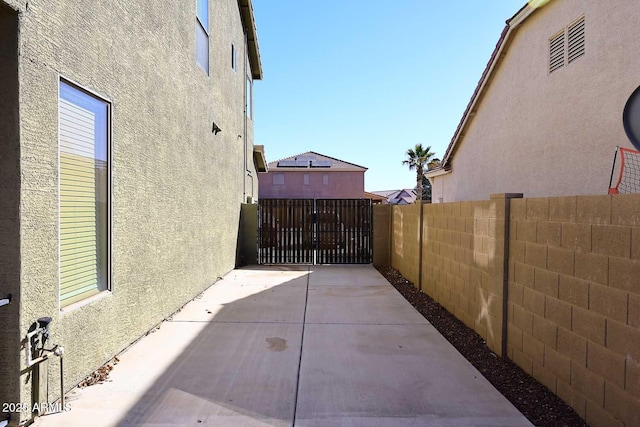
point(382, 235)
point(463, 259)
point(573, 317)
point(574, 301)
point(405, 237)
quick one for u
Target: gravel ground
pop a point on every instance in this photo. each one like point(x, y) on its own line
point(535, 401)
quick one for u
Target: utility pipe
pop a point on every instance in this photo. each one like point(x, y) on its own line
point(59, 351)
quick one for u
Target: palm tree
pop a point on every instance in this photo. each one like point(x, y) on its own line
point(417, 158)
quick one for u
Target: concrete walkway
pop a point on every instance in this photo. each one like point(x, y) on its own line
point(295, 345)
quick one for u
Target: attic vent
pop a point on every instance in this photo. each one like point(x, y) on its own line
point(556, 52)
point(576, 40)
point(567, 46)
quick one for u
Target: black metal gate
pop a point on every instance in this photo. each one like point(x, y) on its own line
point(314, 231)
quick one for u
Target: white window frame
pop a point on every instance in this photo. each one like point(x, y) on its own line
point(103, 228)
point(305, 179)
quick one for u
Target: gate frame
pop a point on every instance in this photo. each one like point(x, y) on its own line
point(349, 241)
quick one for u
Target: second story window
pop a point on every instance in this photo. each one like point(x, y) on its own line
point(278, 179)
point(234, 58)
point(202, 34)
point(249, 100)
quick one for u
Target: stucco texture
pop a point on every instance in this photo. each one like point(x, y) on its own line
point(176, 187)
point(550, 134)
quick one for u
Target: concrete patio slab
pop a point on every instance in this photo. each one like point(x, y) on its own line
point(237, 371)
point(225, 374)
point(378, 304)
point(281, 298)
point(276, 346)
point(348, 275)
point(393, 375)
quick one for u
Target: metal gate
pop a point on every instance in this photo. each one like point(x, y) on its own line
point(314, 231)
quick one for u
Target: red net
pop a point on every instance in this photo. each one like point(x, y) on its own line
point(629, 180)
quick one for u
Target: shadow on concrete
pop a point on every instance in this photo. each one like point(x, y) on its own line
point(241, 367)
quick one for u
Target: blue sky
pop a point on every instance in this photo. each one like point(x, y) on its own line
point(363, 81)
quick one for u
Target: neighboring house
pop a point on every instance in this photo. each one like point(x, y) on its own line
point(126, 154)
point(376, 199)
point(405, 196)
point(546, 116)
point(312, 175)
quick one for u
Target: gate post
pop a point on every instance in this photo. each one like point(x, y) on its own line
point(420, 240)
point(248, 235)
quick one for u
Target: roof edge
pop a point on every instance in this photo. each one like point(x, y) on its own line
point(251, 31)
point(437, 172)
point(260, 159)
point(323, 155)
point(511, 24)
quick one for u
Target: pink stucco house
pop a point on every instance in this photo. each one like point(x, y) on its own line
point(312, 175)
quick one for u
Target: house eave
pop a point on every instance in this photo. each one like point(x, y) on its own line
point(259, 159)
point(496, 58)
point(249, 24)
point(437, 172)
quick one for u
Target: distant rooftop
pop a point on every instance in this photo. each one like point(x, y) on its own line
point(313, 160)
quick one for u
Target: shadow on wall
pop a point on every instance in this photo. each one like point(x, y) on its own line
point(213, 380)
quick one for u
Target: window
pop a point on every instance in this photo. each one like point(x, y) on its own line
point(567, 46)
point(325, 179)
point(202, 34)
point(84, 147)
point(278, 179)
point(305, 179)
point(249, 101)
point(234, 56)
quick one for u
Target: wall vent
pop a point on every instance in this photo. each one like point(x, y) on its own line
point(575, 37)
point(556, 52)
point(567, 46)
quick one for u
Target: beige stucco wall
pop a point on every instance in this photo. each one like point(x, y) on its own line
point(177, 187)
point(553, 134)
